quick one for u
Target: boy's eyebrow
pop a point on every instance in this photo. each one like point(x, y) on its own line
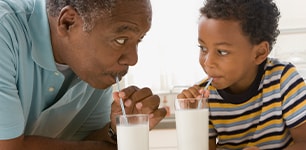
point(223, 43)
point(199, 39)
point(217, 44)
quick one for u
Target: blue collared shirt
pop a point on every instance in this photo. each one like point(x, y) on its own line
point(30, 81)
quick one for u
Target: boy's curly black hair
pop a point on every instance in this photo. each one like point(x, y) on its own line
point(258, 18)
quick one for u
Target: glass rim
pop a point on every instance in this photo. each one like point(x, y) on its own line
point(133, 115)
point(190, 103)
point(193, 98)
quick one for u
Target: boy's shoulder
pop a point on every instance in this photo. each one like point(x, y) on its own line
point(273, 63)
point(277, 69)
point(276, 62)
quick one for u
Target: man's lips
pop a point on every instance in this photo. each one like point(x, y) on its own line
point(119, 74)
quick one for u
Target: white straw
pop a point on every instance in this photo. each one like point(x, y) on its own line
point(121, 102)
point(205, 88)
point(208, 83)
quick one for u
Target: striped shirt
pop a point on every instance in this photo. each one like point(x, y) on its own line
point(263, 115)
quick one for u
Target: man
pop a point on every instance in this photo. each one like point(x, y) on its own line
point(58, 62)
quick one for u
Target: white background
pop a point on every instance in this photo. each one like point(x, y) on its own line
point(168, 55)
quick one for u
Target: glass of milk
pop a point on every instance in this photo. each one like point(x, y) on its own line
point(191, 118)
point(133, 132)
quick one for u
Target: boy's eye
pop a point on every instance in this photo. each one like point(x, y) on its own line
point(222, 52)
point(202, 48)
point(121, 41)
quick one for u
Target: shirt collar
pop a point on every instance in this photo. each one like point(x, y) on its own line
point(42, 52)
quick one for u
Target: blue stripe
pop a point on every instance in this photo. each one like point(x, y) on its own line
point(300, 112)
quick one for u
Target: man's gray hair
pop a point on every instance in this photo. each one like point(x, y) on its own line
point(89, 10)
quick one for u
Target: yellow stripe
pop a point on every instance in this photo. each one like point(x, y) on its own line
point(238, 119)
point(275, 69)
point(263, 140)
point(289, 94)
point(269, 123)
point(230, 137)
point(269, 139)
point(287, 74)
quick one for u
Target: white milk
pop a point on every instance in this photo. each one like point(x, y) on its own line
point(133, 137)
point(192, 129)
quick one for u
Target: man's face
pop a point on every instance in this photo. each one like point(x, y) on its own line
point(108, 50)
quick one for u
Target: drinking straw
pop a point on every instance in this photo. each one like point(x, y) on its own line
point(205, 88)
point(121, 102)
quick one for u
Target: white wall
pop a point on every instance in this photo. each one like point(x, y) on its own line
point(170, 47)
point(168, 55)
point(291, 44)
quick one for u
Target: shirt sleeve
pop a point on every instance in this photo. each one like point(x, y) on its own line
point(212, 130)
point(294, 97)
point(12, 120)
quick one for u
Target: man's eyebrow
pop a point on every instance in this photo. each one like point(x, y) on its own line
point(125, 28)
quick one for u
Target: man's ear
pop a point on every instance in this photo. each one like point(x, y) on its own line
point(67, 18)
point(261, 52)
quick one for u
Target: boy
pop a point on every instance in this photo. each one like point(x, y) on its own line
point(255, 102)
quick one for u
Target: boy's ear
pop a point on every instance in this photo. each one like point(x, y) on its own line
point(67, 18)
point(262, 52)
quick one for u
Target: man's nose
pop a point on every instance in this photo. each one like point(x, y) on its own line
point(130, 56)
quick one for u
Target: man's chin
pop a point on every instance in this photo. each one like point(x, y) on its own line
point(101, 84)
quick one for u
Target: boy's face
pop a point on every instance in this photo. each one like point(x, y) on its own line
point(226, 54)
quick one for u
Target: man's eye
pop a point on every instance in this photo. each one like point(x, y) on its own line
point(121, 41)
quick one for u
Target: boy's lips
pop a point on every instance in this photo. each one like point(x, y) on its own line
point(212, 76)
point(215, 78)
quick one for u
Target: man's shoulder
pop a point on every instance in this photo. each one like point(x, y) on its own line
point(16, 6)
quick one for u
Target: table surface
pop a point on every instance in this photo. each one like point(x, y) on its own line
point(163, 139)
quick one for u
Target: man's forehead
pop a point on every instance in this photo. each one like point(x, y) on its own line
point(132, 4)
point(126, 27)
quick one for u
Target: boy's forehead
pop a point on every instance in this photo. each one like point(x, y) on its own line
point(221, 31)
